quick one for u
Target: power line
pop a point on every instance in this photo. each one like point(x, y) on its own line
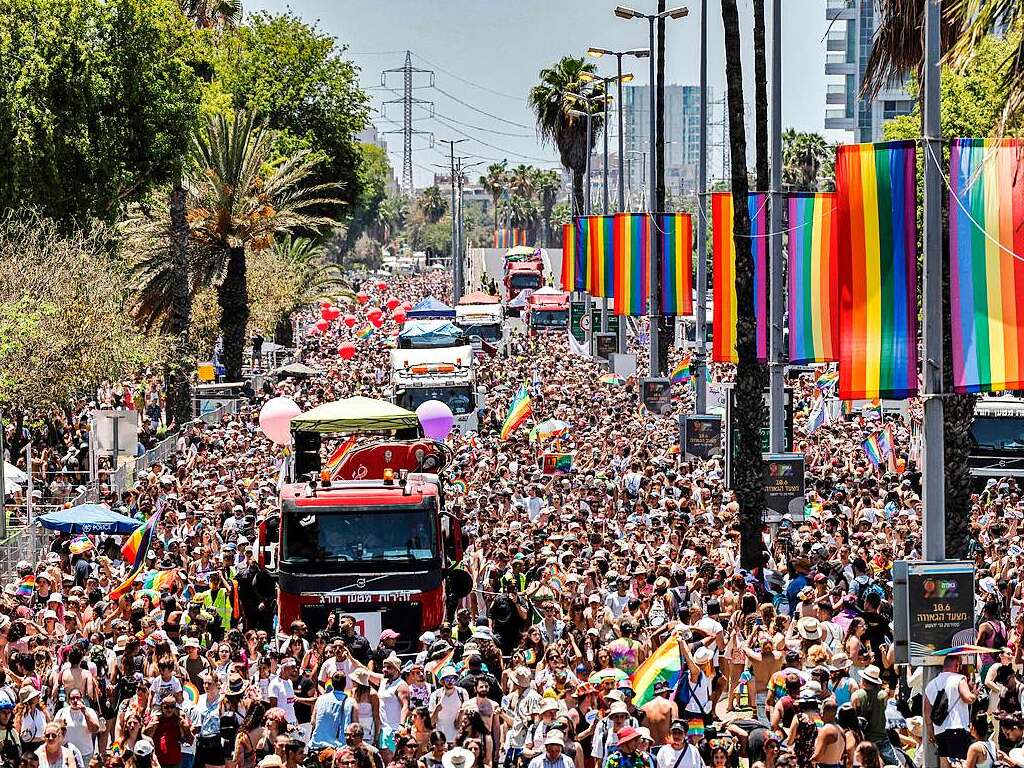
point(492, 146)
point(477, 109)
point(467, 82)
point(434, 113)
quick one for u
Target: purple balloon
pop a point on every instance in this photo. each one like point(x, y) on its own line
point(436, 418)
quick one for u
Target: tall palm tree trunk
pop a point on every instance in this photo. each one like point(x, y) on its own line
point(179, 388)
point(233, 299)
point(748, 413)
point(760, 100)
point(577, 191)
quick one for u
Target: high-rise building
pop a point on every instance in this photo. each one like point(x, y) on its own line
point(848, 45)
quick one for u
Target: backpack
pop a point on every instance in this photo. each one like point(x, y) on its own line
point(940, 708)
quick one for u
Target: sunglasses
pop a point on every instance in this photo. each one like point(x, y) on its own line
point(51, 736)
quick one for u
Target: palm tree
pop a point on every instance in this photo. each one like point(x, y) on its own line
point(521, 180)
point(495, 182)
point(748, 413)
point(547, 184)
point(243, 198)
point(433, 204)
point(763, 180)
point(390, 214)
point(804, 155)
point(208, 14)
point(317, 278)
point(560, 91)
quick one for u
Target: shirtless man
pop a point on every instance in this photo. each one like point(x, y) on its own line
point(659, 712)
point(830, 744)
point(765, 661)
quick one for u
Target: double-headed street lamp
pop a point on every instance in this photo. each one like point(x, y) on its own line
point(654, 303)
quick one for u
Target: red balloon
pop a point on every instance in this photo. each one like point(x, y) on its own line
point(333, 313)
point(375, 312)
point(325, 302)
point(393, 303)
point(325, 313)
point(347, 350)
point(376, 320)
point(362, 298)
point(350, 320)
point(322, 325)
point(312, 331)
point(399, 316)
point(382, 286)
point(406, 305)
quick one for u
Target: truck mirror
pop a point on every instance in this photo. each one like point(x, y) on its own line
point(268, 535)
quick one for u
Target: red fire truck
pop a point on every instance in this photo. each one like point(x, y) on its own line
point(547, 309)
point(367, 534)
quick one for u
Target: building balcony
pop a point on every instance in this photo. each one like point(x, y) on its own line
point(837, 119)
point(835, 94)
point(837, 64)
point(842, 10)
point(836, 41)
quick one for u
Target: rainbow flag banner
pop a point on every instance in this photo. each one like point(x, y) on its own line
point(876, 195)
point(572, 258)
point(136, 546)
point(723, 348)
point(433, 668)
point(676, 233)
point(878, 447)
point(509, 237)
point(813, 278)
point(599, 247)
point(458, 486)
point(681, 373)
point(519, 410)
point(365, 332)
point(986, 248)
point(79, 544)
point(191, 692)
point(159, 580)
point(556, 463)
point(27, 587)
point(663, 664)
point(826, 380)
point(632, 263)
point(340, 452)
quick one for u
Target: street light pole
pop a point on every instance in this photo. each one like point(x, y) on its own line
point(776, 369)
point(456, 262)
point(700, 311)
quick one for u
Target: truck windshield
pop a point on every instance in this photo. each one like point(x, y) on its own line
point(998, 433)
point(527, 280)
point(363, 534)
point(486, 331)
point(459, 399)
point(549, 318)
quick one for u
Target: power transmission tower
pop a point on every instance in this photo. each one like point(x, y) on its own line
point(408, 76)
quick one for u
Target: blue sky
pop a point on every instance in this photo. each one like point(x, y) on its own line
point(502, 44)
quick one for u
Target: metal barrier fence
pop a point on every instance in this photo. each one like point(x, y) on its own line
point(23, 543)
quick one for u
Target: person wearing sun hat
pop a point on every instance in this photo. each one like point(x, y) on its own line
point(697, 683)
point(630, 752)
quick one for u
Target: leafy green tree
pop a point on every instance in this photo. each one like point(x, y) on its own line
point(547, 184)
point(495, 182)
point(558, 94)
point(807, 161)
point(294, 75)
point(242, 199)
point(98, 105)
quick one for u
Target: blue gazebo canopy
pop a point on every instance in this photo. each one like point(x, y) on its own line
point(88, 518)
point(431, 308)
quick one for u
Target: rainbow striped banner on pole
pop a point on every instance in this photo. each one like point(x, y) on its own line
point(986, 249)
point(813, 278)
point(723, 288)
point(676, 233)
point(572, 258)
point(599, 247)
point(876, 193)
point(632, 262)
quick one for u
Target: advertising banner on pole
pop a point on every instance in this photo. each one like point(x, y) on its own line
point(934, 610)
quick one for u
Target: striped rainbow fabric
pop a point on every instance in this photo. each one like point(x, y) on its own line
point(676, 232)
point(877, 217)
point(569, 265)
point(600, 254)
point(986, 248)
point(723, 288)
point(813, 278)
point(632, 263)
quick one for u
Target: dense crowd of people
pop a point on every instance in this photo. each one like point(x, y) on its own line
point(578, 580)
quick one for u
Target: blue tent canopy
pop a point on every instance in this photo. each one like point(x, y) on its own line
point(431, 308)
point(88, 518)
point(418, 334)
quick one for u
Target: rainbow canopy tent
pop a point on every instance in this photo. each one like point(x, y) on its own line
point(88, 518)
point(431, 308)
point(355, 414)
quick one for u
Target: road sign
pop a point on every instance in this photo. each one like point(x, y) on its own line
point(934, 609)
point(577, 310)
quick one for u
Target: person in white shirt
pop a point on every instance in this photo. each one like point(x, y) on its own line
point(446, 702)
point(281, 691)
point(952, 733)
point(552, 756)
point(679, 753)
point(81, 723)
point(617, 601)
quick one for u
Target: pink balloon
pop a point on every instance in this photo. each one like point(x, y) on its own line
point(393, 303)
point(374, 312)
point(322, 325)
point(347, 350)
point(325, 303)
point(436, 418)
point(350, 320)
point(399, 316)
point(325, 313)
point(276, 417)
point(406, 305)
point(362, 297)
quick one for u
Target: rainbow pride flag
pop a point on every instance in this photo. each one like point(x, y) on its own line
point(681, 373)
point(433, 668)
point(663, 664)
point(159, 580)
point(79, 544)
point(632, 263)
point(191, 692)
point(876, 193)
point(877, 448)
point(986, 248)
point(599, 247)
point(813, 278)
point(519, 410)
point(365, 332)
point(676, 233)
point(556, 463)
point(572, 258)
point(340, 452)
point(826, 380)
point(27, 587)
point(458, 486)
point(136, 547)
point(723, 348)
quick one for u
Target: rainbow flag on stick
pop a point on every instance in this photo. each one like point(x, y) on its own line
point(136, 547)
point(986, 246)
point(519, 410)
point(632, 262)
point(556, 463)
point(663, 664)
point(723, 287)
point(433, 668)
point(365, 332)
point(681, 373)
point(876, 192)
point(27, 587)
point(877, 447)
point(676, 233)
point(813, 278)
